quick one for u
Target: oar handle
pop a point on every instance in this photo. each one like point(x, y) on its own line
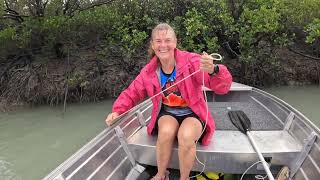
point(264, 163)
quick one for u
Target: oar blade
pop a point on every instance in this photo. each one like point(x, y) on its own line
point(240, 120)
point(236, 121)
point(246, 121)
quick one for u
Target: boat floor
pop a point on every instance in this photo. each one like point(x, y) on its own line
point(261, 119)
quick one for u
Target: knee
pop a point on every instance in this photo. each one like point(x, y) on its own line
point(185, 139)
point(166, 134)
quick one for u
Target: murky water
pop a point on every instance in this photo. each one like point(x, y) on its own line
point(36, 140)
point(305, 99)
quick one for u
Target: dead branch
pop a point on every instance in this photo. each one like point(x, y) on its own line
point(12, 14)
point(95, 4)
point(304, 55)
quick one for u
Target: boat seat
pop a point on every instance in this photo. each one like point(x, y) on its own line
point(232, 148)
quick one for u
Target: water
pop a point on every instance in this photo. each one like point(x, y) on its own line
point(305, 99)
point(35, 141)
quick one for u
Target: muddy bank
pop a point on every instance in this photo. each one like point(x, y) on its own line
point(79, 78)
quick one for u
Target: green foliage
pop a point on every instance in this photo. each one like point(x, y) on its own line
point(53, 29)
point(313, 31)
point(130, 41)
point(30, 36)
point(54, 8)
point(297, 13)
point(2, 7)
point(8, 42)
point(122, 28)
point(199, 28)
point(8, 34)
point(78, 79)
point(259, 22)
point(195, 30)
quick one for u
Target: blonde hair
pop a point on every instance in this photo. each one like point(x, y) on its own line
point(159, 27)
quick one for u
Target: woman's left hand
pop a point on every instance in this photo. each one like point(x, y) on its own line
point(206, 63)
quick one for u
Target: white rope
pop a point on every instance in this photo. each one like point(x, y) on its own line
point(159, 93)
point(258, 177)
point(216, 57)
point(175, 84)
point(219, 58)
point(249, 168)
point(205, 125)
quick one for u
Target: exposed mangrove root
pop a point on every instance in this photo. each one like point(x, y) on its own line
point(78, 81)
point(85, 78)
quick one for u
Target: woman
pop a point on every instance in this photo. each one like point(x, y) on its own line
point(179, 111)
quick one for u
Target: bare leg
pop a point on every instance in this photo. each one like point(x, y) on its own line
point(189, 132)
point(168, 128)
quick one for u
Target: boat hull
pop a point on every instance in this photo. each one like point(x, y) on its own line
point(284, 136)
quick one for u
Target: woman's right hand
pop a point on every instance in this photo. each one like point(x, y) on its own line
point(111, 117)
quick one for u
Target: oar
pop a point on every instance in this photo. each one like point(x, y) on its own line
point(243, 123)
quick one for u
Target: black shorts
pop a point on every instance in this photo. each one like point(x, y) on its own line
point(179, 119)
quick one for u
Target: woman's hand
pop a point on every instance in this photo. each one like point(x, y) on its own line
point(206, 63)
point(111, 117)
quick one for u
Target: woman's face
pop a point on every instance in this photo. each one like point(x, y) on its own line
point(163, 43)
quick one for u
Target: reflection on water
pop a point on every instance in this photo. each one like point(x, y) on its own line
point(6, 171)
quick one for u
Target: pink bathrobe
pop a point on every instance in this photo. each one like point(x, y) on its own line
point(147, 84)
